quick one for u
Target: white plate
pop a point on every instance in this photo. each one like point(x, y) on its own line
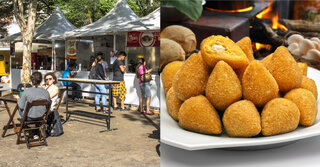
point(172, 134)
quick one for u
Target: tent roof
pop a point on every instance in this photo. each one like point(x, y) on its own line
point(121, 13)
point(52, 29)
point(149, 22)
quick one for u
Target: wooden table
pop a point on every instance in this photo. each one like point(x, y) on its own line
point(5, 99)
point(91, 81)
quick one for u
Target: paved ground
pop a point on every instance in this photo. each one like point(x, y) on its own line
point(134, 141)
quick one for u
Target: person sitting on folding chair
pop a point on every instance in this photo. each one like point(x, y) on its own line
point(34, 93)
point(50, 80)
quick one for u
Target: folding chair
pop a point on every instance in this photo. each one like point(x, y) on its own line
point(60, 97)
point(26, 126)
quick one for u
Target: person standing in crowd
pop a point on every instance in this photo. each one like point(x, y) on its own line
point(91, 63)
point(144, 87)
point(104, 63)
point(50, 80)
point(32, 94)
point(100, 88)
point(119, 90)
point(76, 95)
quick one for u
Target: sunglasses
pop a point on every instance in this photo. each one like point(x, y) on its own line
point(49, 79)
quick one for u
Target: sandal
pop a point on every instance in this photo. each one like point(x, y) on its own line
point(142, 112)
point(149, 113)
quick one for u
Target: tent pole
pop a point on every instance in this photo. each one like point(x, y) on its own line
point(65, 54)
point(53, 56)
point(114, 41)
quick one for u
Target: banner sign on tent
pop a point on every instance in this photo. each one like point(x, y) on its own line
point(71, 49)
point(143, 39)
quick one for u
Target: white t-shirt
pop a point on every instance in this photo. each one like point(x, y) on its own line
point(54, 99)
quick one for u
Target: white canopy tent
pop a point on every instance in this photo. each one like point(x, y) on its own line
point(51, 30)
point(119, 15)
point(147, 23)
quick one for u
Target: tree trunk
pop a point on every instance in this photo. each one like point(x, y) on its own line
point(26, 67)
point(27, 32)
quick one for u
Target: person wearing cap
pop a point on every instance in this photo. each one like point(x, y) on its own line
point(119, 90)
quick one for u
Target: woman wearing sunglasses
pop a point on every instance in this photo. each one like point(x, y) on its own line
point(50, 81)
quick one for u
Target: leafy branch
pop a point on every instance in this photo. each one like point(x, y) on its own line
point(191, 8)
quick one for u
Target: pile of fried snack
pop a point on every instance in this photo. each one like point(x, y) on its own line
point(223, 86)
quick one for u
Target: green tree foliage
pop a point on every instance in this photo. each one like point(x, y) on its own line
point(6, 16)
point(143, 7)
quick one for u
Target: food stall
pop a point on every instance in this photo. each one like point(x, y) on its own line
point(114, 32)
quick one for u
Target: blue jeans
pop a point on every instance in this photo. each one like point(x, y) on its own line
point(101, 89)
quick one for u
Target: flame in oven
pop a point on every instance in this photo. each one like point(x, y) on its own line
point(258, 46)
point(274, 16)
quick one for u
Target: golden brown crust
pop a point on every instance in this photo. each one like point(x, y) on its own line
point(246, 46)
point(198, 115)
point(304, 68)
point(173, 104)
point(285, 70)
point(216, 48)
point(242, 119)
point(265, 61)
point(191, 78)
point(309, 84)
point(223, 87)
point(182, 35)
point(258, 84)
point(306, 103)
point(279, 116)
point(170, 51)
point(168, 74)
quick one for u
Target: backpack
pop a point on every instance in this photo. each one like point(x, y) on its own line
point(93, 74)
point(54, 126)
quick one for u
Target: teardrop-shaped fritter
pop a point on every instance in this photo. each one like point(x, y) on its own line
point(265, 61)
point(309, 84)
point(173, 104)
point(198, 115)
point(279, 116)
point(258, 84)
point(246, 46)
point(168, 74)
point(216, 48)
point(242, 119)
point(223, 86)
point(306, 103)
point(191, 78)
point(285, 70)
point(304, 68)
